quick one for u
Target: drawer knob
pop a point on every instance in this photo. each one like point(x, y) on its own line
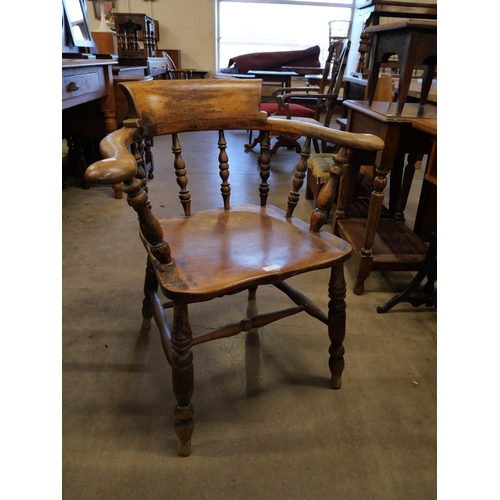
point(72, 87)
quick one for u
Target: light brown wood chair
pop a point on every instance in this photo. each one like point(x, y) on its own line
point(200, 256)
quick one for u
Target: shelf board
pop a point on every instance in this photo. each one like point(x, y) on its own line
point(396, 247)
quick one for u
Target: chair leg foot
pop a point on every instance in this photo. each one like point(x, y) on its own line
point(146, 323)
point(184, 429)
point(336, 325)
point(359, 287)
point(336, 383)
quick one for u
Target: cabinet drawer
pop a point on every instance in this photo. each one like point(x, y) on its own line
point(157, 66)
point(83, 81)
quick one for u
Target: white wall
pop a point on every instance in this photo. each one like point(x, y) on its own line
point(186, 25)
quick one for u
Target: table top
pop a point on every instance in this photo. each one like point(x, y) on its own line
point(407, 7)
point(407, 24)
point(272, 73)
point(428, 125)
point(305, 70)
point(78, 63)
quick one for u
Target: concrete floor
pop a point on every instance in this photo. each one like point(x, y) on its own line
point(267, 426)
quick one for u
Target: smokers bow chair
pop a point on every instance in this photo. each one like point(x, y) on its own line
point(201, 256)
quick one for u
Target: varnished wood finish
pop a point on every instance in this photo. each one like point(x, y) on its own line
point(208, 254)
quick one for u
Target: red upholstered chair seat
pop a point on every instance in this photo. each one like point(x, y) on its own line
point(296, 110)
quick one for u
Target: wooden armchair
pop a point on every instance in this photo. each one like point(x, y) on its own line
point(313, 103)
point(200, 256)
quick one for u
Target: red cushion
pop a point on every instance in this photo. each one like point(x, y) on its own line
point(295, 110)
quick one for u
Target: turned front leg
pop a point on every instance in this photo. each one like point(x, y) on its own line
point(182, 378)
point(336, 324)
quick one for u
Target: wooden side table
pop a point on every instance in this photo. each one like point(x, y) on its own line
point(410, 293)
point(415, 43)
point(387, 243)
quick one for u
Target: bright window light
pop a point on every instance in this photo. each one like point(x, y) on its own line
point(246, 27)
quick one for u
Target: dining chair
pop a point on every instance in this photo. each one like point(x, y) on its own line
point(207, 254)
point(174, 73)
point(309, 103)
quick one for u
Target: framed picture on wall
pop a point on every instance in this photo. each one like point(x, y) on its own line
point(109, 10)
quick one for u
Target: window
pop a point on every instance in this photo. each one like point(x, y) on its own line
point(265, 25)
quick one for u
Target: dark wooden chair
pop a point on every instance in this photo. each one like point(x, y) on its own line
point(174, 73)
point(200, 256)
point(310, 103)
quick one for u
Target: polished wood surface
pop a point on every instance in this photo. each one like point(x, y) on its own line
point(207, 254)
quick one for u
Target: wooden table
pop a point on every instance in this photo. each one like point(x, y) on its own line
point(387, 243)
point(415, 43)
point(355, 88)
point(284, 78)
point(428, 269)
point(87, 84)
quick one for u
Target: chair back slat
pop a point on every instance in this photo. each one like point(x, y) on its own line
point(165, 107)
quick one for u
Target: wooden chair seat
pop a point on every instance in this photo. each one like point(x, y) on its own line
point(227, 250)
point(219, 251)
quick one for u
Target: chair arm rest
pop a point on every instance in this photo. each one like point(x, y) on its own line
point(303, 99)
point(119, 163)
point(366, 142)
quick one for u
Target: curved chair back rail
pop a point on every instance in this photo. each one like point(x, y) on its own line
point(211, 253)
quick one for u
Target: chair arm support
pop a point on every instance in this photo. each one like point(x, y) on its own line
point(366, 142)
point(119, 163)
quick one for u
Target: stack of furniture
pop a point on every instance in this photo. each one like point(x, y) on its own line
point(388, 243)
point(137, 36)
point(389, 9)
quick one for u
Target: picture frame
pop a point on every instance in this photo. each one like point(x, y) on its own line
point(109, 10)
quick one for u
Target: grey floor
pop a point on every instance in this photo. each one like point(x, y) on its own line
point(267, 426)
